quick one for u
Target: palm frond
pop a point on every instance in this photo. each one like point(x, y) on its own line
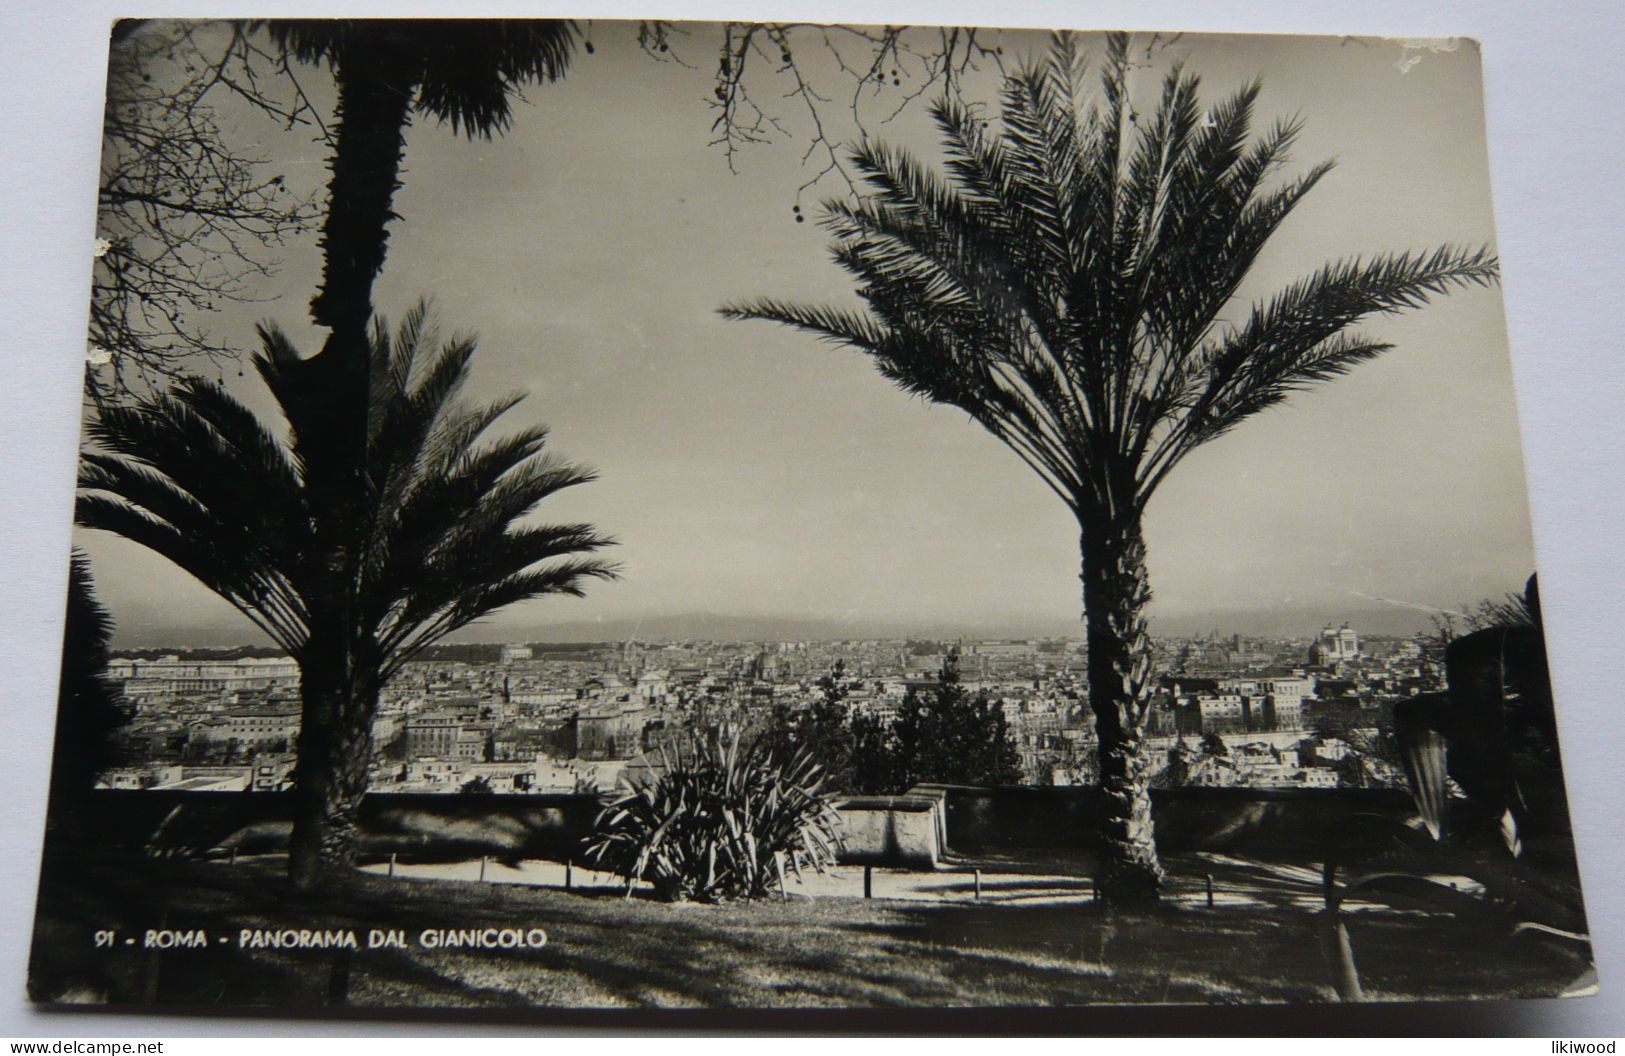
point(837, 325)
point(1282, 337)
point(216, 563)
point(197, 478)
point(473, 67)
point(430, 614)
point(214, 460)
point(454, 435)
point(243, 436)
point(482, 495)
point(1064, 279)
point(466, 71)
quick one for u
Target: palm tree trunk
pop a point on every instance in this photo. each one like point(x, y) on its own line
point(1116, 591)
point(330, 775)
point(335, 735)
point(374, 94)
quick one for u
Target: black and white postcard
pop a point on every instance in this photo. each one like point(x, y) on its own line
point(617, 514)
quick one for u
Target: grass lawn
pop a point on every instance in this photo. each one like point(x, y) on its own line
point(606, 951)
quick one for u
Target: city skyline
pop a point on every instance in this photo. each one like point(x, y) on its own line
point(753, 476)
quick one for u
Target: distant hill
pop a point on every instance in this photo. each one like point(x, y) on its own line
point(1298, 623)
point(216, 642)
point(204, 652)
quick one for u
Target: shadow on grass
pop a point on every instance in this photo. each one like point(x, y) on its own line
point(605, 951)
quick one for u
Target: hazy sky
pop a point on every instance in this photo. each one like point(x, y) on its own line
point(750, 471)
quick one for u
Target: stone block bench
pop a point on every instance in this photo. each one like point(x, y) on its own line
point(900, 832)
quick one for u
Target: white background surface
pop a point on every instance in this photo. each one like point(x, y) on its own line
point(1555, 90)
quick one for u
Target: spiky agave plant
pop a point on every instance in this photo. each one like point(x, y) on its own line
point(720, 818)
point(436, 526)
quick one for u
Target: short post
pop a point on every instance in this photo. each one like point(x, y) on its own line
point(978, 873)
point(1210, 890)
point(392, 864)
point(569, 873)
point(233, 859)
point(482, 868)
point(868, 882)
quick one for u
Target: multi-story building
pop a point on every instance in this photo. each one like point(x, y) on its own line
point(1284, 700)
point(433, 734)
point(610, 731)
point(1335, 646)
point(542, 697)
point(179, 676)
point(532, 738)
point(1224, 712)
point(274, 729)
point(472, 744)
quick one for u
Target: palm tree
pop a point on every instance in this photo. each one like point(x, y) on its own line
point(196, 477)
point(460, 71)
point(1066, 285)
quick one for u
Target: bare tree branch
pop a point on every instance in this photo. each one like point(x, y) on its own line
point(822, 86)
point(187, 220)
